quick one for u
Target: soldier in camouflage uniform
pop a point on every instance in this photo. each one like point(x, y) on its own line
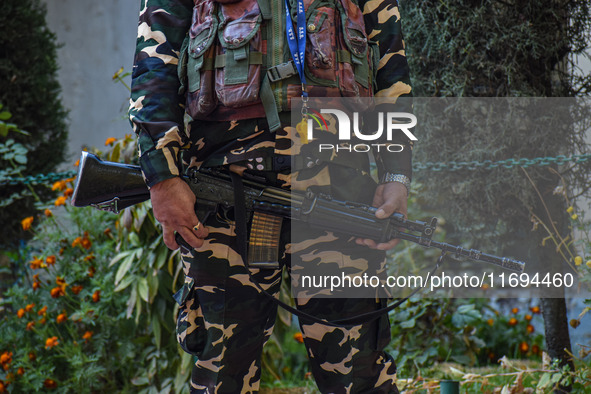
point(224, 320)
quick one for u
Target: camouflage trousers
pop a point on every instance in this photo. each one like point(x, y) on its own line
point(224, 320)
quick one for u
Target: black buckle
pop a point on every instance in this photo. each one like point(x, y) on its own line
point(282, 71)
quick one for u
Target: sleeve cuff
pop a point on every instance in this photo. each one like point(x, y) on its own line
point(159, 165)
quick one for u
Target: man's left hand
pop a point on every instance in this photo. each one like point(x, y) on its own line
point(389, 198)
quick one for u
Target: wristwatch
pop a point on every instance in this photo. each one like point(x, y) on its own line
point(389, 177)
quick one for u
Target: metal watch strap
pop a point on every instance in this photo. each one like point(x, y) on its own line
point(389, 177)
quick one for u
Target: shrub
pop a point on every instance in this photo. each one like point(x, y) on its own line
point(30, 91)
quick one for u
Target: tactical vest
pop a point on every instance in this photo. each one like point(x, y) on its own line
point(235, 62)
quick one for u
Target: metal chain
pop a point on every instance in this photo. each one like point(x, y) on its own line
point(37, 179)
point(509, 163)
point(433, 166)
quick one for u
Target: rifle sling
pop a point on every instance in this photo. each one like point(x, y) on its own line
point(242, 246)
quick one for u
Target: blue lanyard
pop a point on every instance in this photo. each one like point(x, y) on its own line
point(297, 43)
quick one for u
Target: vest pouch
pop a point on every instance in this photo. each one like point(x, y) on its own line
point(196, 61)
point(321, 55)
point(239, 58)
point(356, 59)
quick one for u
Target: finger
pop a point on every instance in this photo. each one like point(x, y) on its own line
point(168, 236)
point(370, 243)
point(190, 237)
point(386, 209)
point(200, 230)
point(388, 245)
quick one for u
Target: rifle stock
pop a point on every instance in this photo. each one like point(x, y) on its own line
point(108, 186)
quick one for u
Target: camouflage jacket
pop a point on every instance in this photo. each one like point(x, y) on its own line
point(157, 109)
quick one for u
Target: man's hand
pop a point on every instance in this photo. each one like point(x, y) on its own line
point(173, 203)
point(389, 198)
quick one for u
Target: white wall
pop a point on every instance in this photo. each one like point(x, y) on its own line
point(97, 38)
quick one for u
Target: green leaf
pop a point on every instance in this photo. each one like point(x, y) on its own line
point(142, 288)
point(140, 381)
point(5, 115)
point(125, 283)
point(124, 267)
point(465, 315)
point(157, 329)
point(20, 159)
point(544, 381)
point(410, 323)
point(119, 257)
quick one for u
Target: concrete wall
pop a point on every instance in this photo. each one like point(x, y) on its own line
point(97, 38)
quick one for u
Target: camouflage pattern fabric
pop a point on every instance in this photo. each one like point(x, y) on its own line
point(224, 320)
point(157, 109)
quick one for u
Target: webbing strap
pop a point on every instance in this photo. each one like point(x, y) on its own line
point(265, 8)
point(269, 104)
point(220, 60)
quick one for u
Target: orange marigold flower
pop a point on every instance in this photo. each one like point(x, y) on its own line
point(76, 289)
point(51, 342)
point(59, 185)
point(62, 317)
point(42, 320)
point(107, 231)
point(20, 371)
point(57, 292)
point(42, 311)
point(61, 282)
point(523, 347)
point(36, 263)
point(61, 200)
point(91, 271)
point(48, 213)
point(535, 309)
point(2, 387)
point(535, 349)
point(26, 223)
point(86, 243)
point(6, 358)
point(530, 329)
point(20, 313)
point(68, 192)
point(76, 242)
point(29, 307)
point(90, 257)
point(36, 285)
point(62, 250)
point(512, 321)
point(87, 335)
point(30, 325)
point(32, 356)
point(298, 337)
point(50, 384)
point(50, 260)
point(527, 317)
point(490, 322)
point(110, 141)
point(515, 311)
point(96, 296)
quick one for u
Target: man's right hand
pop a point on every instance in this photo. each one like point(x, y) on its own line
point(173, 203)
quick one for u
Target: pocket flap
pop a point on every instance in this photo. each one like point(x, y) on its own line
point(202, 36)
point(355, 39)
point(239, 32)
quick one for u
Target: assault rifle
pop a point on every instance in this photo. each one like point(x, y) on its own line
point(113, 186)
